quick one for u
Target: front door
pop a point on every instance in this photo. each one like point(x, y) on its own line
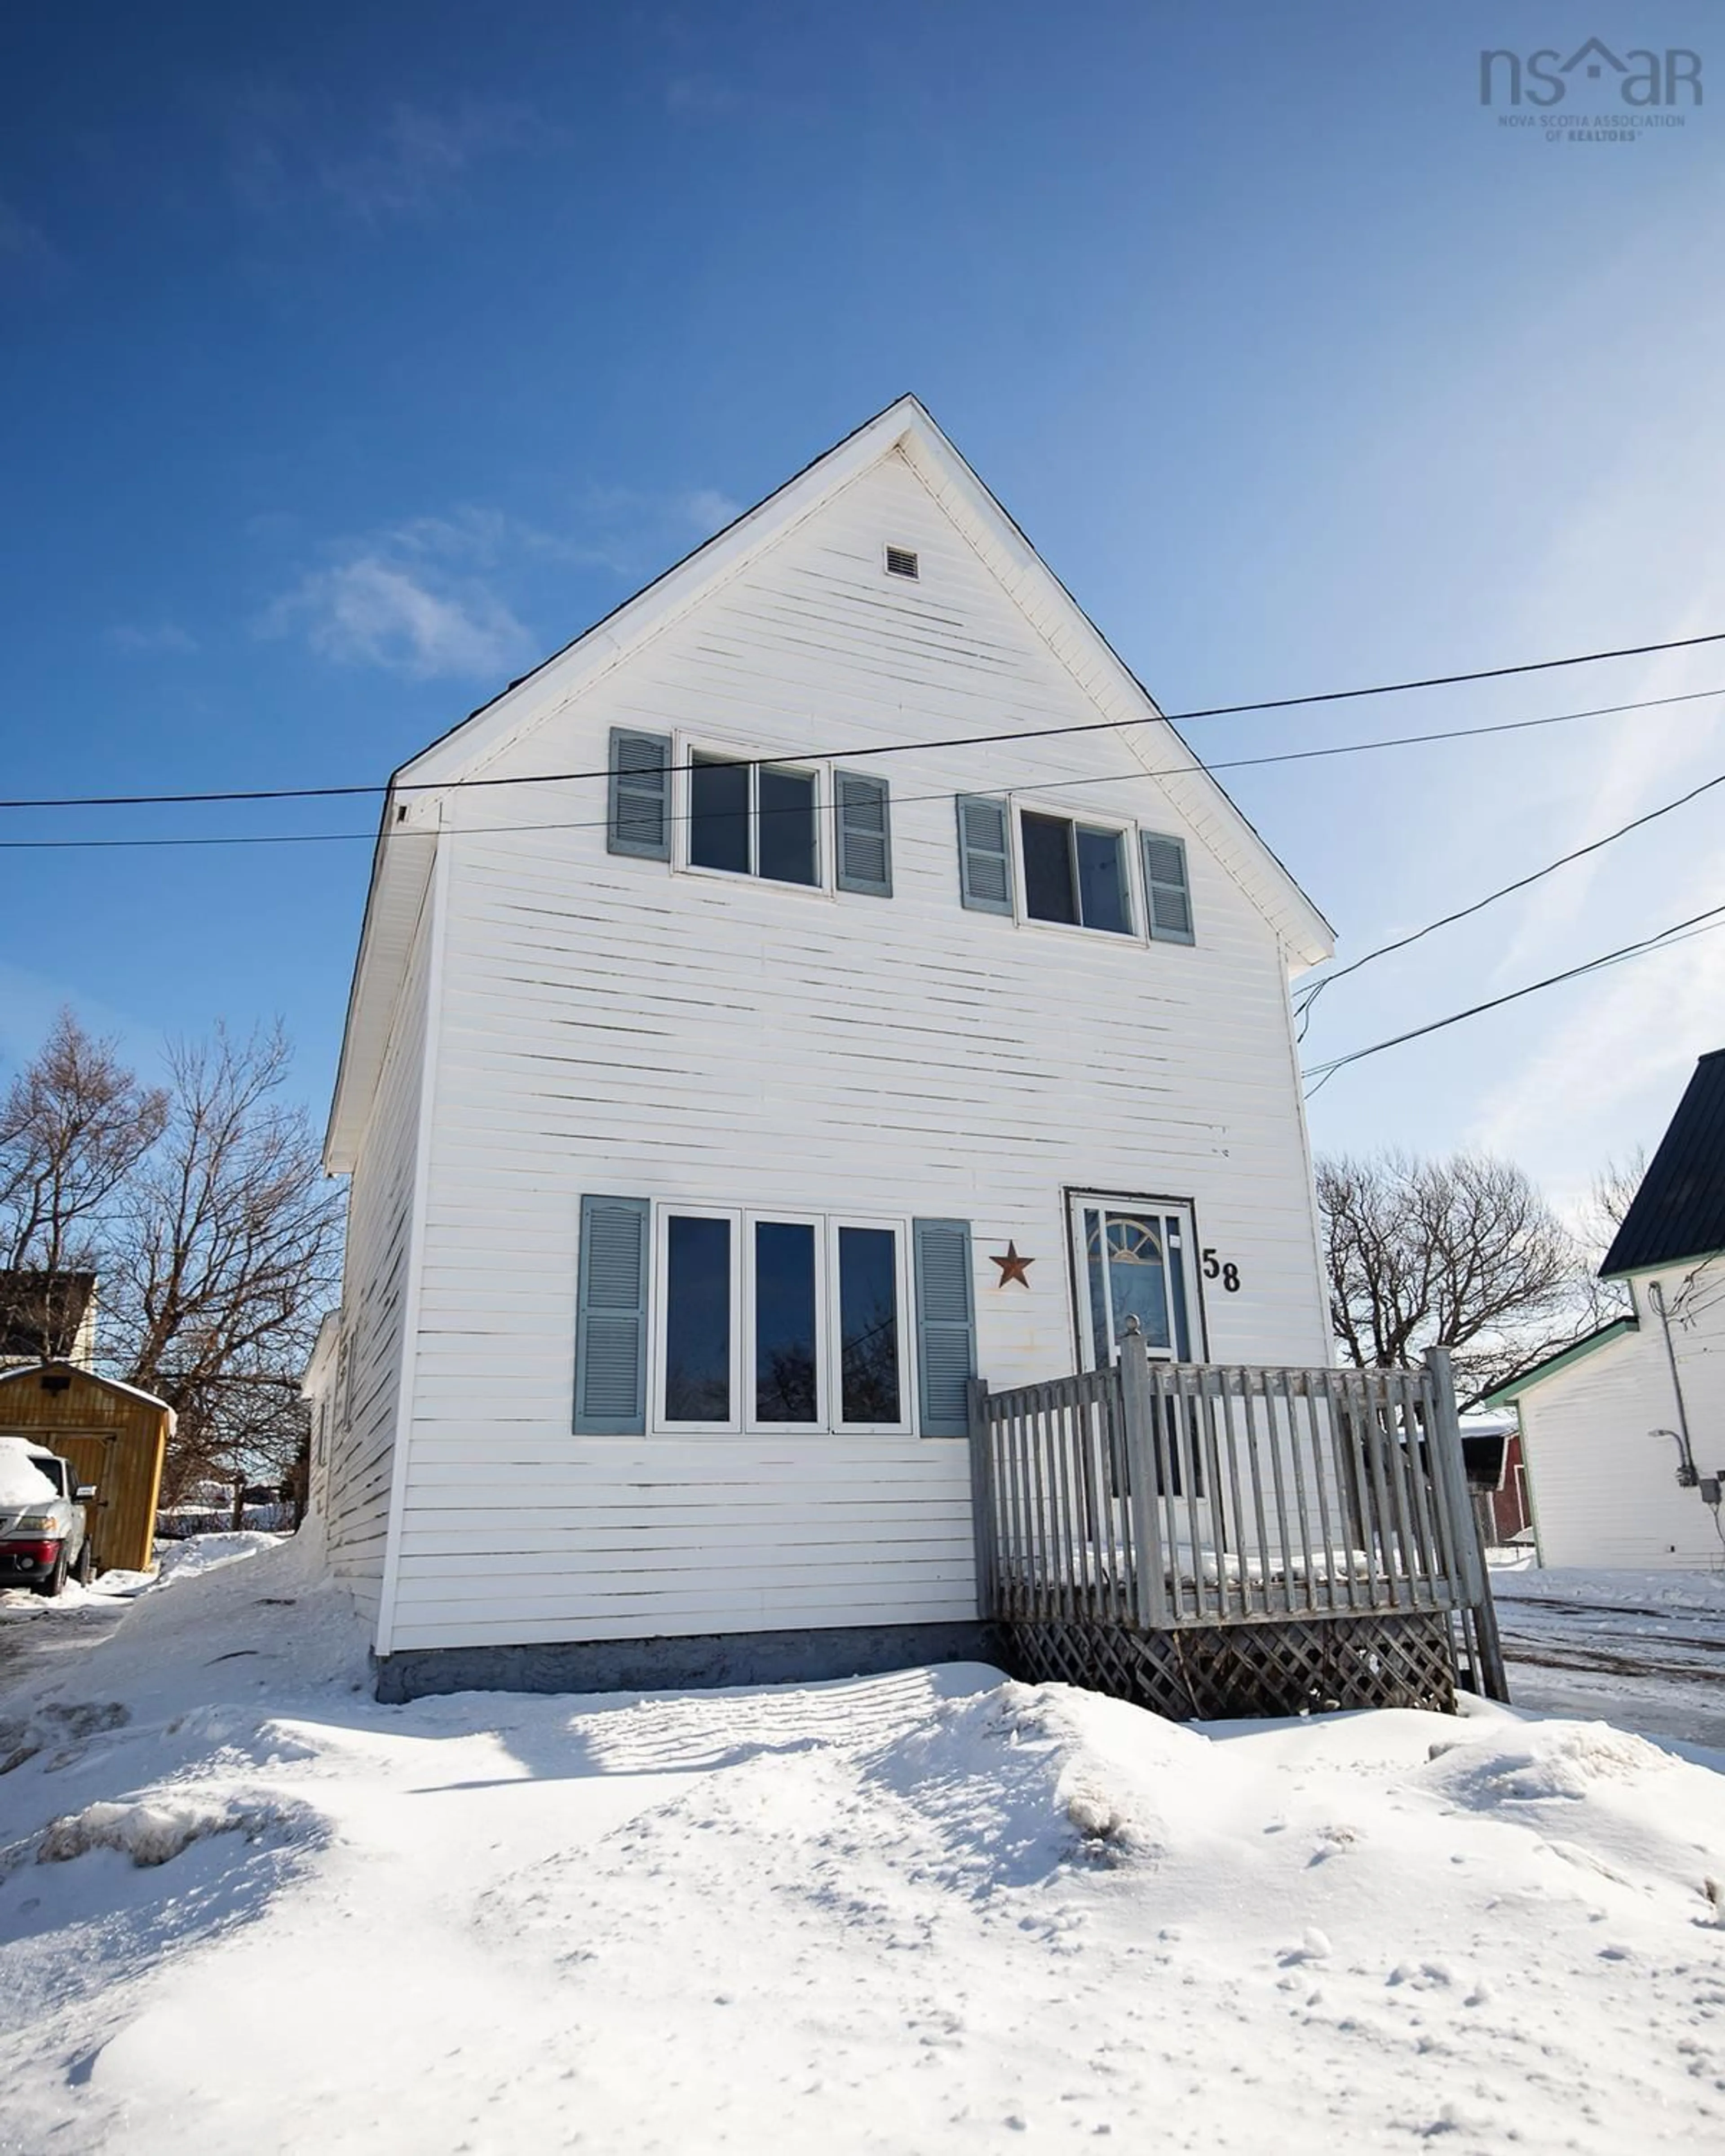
point(1135, 1259)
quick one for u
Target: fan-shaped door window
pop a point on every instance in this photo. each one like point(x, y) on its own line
point(1134, 1261)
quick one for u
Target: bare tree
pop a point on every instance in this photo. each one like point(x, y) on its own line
point(202, 1207)
point(74, 1125)
point(228, 1254)
point(1613, 1193)
point(1463, 1253)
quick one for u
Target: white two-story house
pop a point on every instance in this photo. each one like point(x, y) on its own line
point(825, 979)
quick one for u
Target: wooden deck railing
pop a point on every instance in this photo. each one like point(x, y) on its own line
point(1164, 1496)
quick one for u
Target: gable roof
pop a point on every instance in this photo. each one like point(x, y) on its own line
point(407, 842)
point(1536, 1373)
point(1679, 1211)
point(61, 1368)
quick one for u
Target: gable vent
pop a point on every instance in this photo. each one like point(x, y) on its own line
point(901, 561)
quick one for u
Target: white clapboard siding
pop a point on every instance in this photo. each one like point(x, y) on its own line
point(357, 1479)
point(1605, 1487)
point(609, 1024)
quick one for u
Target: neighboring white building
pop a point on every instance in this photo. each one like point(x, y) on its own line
point(720, 1100)
point(1623, 1435)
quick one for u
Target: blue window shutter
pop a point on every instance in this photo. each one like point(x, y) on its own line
point(639, 819)
point(1167, 890)
point(984, 854)
point(611, 1320)
point(864, 853)
point(946, 1326)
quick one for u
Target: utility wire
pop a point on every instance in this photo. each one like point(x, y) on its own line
point(892, 748)
point(1522, 883)
point(1037, 786)
point(1698, 924)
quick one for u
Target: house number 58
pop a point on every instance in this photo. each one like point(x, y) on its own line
point(1213, 1269)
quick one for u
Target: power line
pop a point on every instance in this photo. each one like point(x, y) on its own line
point(1522, 883)
point(1661, 939)
point(1040, 786)
point(892, 748)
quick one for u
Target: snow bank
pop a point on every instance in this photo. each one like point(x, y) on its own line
point(1676, 1592)
point(197, 1553)
point(152, 1832)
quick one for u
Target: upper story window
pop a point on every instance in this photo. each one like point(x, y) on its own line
point(753, 819)
point(1075, 873)
point(1032, 865)
point(708, 808)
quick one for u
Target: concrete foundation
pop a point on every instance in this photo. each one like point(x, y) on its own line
point(699, 1661)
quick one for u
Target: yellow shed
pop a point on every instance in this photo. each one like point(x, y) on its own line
point(114, 1434)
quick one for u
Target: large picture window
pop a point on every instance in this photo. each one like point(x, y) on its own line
point(770, 1321)
point(787, 1327)
point(871, 1268)
point(698, 1318)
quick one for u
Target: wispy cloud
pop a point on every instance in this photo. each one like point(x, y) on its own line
point(425, 596)
point(636, 532)
point(707, 510)
point(154, 640)
point(696, 94)
point(371, 611)
point(285, 149)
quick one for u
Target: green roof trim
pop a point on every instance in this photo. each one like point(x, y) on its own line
point(1512, 1388)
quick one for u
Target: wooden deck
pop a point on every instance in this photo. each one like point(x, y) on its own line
point(1223, 1539)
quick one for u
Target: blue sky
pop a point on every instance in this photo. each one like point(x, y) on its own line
point(351, 359)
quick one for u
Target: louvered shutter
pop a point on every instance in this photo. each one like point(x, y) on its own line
point(864, 853)
point(640, 816)
point(984, 854)
point(1166, 889)
point(946, 1326)
point(611, 1320)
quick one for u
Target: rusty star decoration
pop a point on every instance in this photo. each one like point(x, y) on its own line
point(1013, 1267)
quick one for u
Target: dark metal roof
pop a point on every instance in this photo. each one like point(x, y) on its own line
point(1679, 1211)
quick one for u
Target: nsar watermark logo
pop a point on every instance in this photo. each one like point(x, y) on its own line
point(1654, 90)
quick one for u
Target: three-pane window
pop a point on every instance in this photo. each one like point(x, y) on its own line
point(773, 1323)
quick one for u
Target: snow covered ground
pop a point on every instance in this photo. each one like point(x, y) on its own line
point(244, 1907)
point(1644, 1650)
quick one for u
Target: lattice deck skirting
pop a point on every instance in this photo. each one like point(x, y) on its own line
point(1214, 1673)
